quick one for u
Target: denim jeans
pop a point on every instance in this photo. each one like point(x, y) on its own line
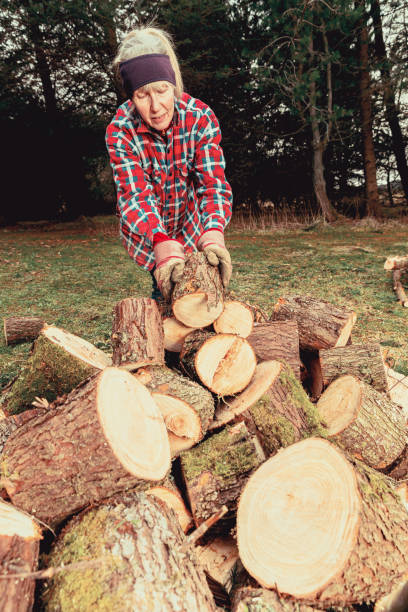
point(156, 295)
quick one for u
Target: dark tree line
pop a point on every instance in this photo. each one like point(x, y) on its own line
point(309, 94)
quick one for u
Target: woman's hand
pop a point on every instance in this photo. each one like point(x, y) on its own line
point(170, 259)
point(213, 246)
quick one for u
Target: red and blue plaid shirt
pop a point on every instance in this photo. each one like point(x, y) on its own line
point(172, 185)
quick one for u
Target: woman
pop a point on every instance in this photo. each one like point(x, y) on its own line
point(168, 166)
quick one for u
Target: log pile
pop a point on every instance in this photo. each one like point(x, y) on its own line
point(216, 460)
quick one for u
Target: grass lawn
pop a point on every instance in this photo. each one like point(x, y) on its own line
point(72, 275)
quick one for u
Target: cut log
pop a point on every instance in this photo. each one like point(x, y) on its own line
point(170, 495)
point(137, 333)
point(399, 469)
point(363, 361)
point(59, 362)
point(143, 563)
point(197, 300)
point(215, 471)
point(108, 436)
point(321, 324)
point(236, 318)
point(187, 408)
point(398, 389)
point(399, 289)
point(321, 528)
point(19, 548)
point(277, 340)
point(250, 599)
point(363, 421)
point(10, 424)
point(224, 363)
point(275, 406)
point(22, 329)
point(219, 558)
point(174, 334)
point(397, 262)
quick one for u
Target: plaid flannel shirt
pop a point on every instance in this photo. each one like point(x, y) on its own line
point(172, 185)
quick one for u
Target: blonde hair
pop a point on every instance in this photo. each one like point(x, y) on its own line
point(145, 40)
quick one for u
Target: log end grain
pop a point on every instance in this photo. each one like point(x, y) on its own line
point(236, 318)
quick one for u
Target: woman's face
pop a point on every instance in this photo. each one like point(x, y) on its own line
point(155, 104)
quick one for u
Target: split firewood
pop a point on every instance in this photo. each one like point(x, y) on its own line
point(137, 333)
point(143, 567)
point(170, 495)
point(250, 599)
point(363, 421)
point(274, 406)
point(219, 557)
point(19, 549)
point(236, 318)
point(277, 340)
point(363, 361)
point(321, 324)
point(215, 471)
point(13, 422)
point(107, 436)
point(197, 300)
point(187, 408)
point(224, 363)
point(398, 389)
point(322, 528)
point(59, 361)
point(398, 288)
point(22, 329)
point(397, 262)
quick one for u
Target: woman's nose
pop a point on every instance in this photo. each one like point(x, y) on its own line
point(154, 103)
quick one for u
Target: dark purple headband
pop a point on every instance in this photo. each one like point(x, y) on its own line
point(145, 69)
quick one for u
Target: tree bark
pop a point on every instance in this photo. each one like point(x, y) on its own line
point(283, 517)
point(250, 599)
point(224, 363)
point(277, 340)
point(19, 549)
point(10, 424)
point(187, 408)
point(274, 407)
point(370, 171)
point(197, 300)
point(321, 324)
point(137, 333)
point(22, 329)
point(107, 436)
point(363, 421)
point(142, 561)
point(58, 362)
point(363, 361)
point(171, 496)
point(216, 470)
point(391, 111)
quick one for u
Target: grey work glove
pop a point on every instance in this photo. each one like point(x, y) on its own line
point(212, 244)
point(169, 256)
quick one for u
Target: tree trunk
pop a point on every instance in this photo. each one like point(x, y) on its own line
point(363, 361)
point(274, 407)
point(107, 436)
point(216, 470)
point(310, 507)
point(19, 548)
point(10, 424)
point(236, 318)
point(321, 324)
point(391, 111)
point(197, 300)
point(141, 561)
point(363, 421)
point(171, 496)
point(137, 333)
point(224, 363)
point(277, 340)
point(370, 172)
point(59, 361)
point(22, 329)
point(187, 408)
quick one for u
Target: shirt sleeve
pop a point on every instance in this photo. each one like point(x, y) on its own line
point(213, 191)
point(137, 202)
